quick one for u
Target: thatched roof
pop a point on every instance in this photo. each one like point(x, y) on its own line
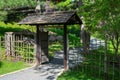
point(52, 18)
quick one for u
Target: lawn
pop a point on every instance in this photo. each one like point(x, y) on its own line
point(8, 66)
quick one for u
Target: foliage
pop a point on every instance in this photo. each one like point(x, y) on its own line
point(110, 18)
point(53, 48)
point(103, 16)
point(12, 10)
point(74, 29)
point(13, 27)
point(64, 5)
point(24, 51)
point(2, 53)
point(74, 39)
point(3, 16)
point(7, 66)
point(92, 67)
point(7, 4)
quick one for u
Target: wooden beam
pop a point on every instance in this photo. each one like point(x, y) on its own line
point(65, 48)
point(37, 47)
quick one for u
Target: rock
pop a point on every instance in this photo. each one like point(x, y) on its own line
point(59, 38)
point(52, 38)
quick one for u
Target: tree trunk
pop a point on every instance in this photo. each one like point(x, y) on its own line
point(85, 39)
point(116, 54)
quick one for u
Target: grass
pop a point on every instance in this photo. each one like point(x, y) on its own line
point(53, 48)
point(8, 66)
point(92, 68)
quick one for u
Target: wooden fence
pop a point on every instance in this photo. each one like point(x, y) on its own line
point(19, 48)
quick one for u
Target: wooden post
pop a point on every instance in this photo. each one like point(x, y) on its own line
point(65, 48)
point(9, 44)
point(105, 59)
point(37, 48)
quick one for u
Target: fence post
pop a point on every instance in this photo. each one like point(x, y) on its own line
point(9, 44)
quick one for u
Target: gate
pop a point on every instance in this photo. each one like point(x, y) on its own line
point(44, 46)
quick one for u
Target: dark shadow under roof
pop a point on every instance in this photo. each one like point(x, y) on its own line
point(52, 18)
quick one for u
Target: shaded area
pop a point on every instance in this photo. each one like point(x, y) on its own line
point(18, 14)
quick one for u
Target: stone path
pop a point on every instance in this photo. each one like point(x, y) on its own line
point(96, 43)
point(47, 71)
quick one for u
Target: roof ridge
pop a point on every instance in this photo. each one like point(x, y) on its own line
point(57, 12)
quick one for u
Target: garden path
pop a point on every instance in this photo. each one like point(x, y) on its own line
point(47, 71)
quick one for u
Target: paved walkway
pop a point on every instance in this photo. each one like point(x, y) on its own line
point(46, 71)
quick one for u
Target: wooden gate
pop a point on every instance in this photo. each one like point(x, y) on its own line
point(44, 46)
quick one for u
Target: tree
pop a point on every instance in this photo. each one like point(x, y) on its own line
point(9, 4)
point(109, 18)
point(103, 15)
point(85, 10)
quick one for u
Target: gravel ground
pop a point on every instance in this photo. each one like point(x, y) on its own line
point(46, 71)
